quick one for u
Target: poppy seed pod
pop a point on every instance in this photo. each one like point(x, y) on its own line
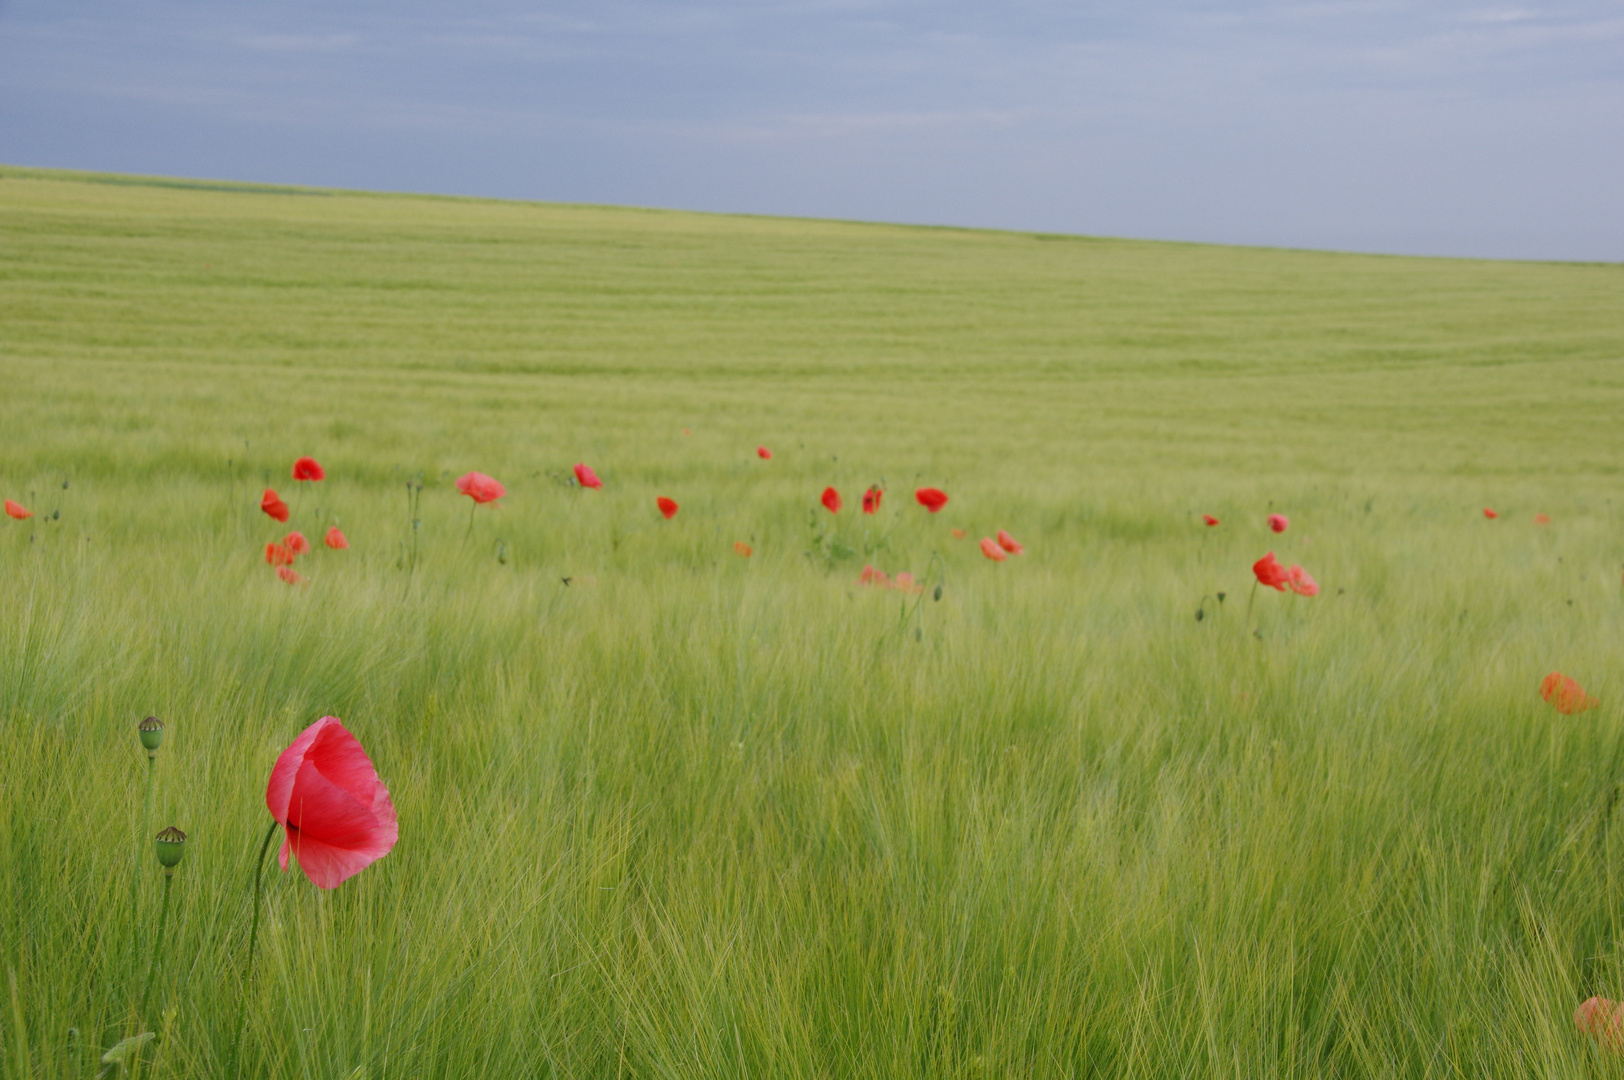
point(151, 731)
point(171, 845)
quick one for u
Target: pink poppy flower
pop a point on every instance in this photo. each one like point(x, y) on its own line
point(871, 576)
point(480, 488)
point(289, 575)
point(1299, 581)
point(335, 813)
point(990, 548)
point(1603, 1020)
point(1278, 522)
point(586, 477)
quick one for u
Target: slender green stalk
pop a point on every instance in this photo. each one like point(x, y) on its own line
point(135, 875)
point(157, 951)
point(253, 940)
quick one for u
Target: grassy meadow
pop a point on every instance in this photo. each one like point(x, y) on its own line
point(667, 811)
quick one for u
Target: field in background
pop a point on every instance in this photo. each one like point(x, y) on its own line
point(691, 814)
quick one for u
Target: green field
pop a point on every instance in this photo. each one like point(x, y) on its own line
point(690, 814)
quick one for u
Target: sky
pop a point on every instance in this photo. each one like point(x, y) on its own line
point(1474, 128)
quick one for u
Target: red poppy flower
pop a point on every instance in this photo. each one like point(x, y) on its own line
point(990, 548)
point(763, 453)
point(289, 575)
point(1009, 543)
point(1603, 1020)
point(296, 543)
point(335, 812)
point(932, 499)
point(1299, 581)
point(480, 488)
point(307, 468)
point(1209, 520)
point(278, 555)
point(1490, 514)
point(741, 548)
point(1271, 573)
point(274, 506)
point(586, 477)
point(668, 507)
point(871, 499)
point(1541, 519)
point(905, 583)
point(335, 539)
point(18, 511)
point(1278, 522)
point(959, 534)
point(871, 576)
point(831, 500)
point(1566, 695)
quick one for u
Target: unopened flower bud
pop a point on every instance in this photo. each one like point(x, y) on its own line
point(171, 844)
point(151, 731)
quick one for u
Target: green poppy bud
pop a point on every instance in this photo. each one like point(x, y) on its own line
point(171, 845)
point(151, 731)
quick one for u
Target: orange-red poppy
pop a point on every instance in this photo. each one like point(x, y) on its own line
point(1279, 522)
point(871, 576)
point(959, 534)
point(586, 477)
point(831, 500)
point(1299, 581)
point(1603, 1020)
point(1209, 520)
point(1490, 514)
point(1271, 573)
point(278, 555)
point(1565, 694)
point(296, 543)
point(990, 548)
point(289, 575)
point(871, 499)
point(480, 488)
point(1009, 543)
point(1542, 519)
point(668, 507)
point(741, 548)
point(932, 499)
point(307, 468)
point(18, 511)
point(335, 539)
point(905, 583)
point(273, 505)
point(763, 453)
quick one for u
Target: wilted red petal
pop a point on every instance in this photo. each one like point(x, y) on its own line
point(1278, 522)
point(1009, 543)
point(741, 548)
point(480, 488)
point(586, 477)
point(763, 453)
point(18, 511)
point(1270, 573)
point(990, 548)
point(306, 468)
point(1209, 520)
point(932, 499)
point(668, 507)
point(831, 500)
point(335, 539)
point(273, 505)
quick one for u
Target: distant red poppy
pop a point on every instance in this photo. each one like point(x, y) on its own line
point(1602, 1019)
point(272, 504)
point(831, 500)
point(871, 576)
point(905, 583)
point(741, 548)
point(289, 575)
point(278, 555)
point(480, 488)
point(1278, 522)
point(959, 534)
point(296, 543)
point(1009, 543)
point(1566, 695)
point(871, 499)
point(1541, 519)
point(307, 468)
point(1490, 514)
point(335, 813)
point(763, 453)
point(990, 548)
point(1271, 573)
point(668, 507)
point(335, 539)
point(687, 431)
point(18, 511)
point(932, 499)
point(1299, 581)
point(586, 477)
point(1209, 520)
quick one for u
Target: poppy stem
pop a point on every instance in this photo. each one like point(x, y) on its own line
point(135, 881)
point(472, 506)
point(1251, 597)
point(253, 940)
point(157, 952)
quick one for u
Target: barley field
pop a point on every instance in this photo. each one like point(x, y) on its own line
point(1103, 809)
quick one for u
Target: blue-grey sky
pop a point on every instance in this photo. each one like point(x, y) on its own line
point(1479, 127)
